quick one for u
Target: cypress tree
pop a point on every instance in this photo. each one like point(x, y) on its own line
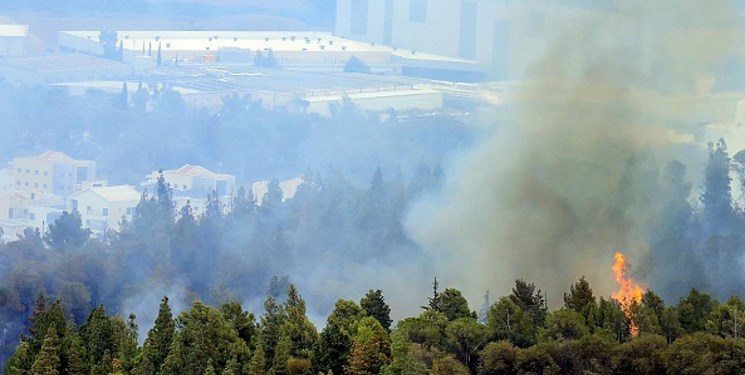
point(159, 57)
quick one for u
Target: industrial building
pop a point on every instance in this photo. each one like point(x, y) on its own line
point(47, 69)
point(296, 90)
point(502, 35)
point(13, 39)
point(302, 50)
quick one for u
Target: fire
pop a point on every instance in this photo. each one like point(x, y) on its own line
point(629, 291)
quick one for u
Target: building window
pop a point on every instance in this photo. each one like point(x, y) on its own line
point(74, 204)
point(36, 172)
point(418, 10)
point(36, 184)
point(44, 186)
point(18, 183)
point(19, 170)
point(33, 196)
point(28, 171)
point(32, 216)
point(46, 173)
point(88, 209)
point(26, 183)
point(129, 210)
point(105, 212)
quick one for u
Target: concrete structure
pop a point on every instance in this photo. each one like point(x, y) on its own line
point(51, 173)
point(42, 212)
point(501, 34)
point(103, 208)
point(14, 206)
point(193, 181)
point(13, 39)
point(37, 70)
point(295, 90)
point(7, 181)
point(299, 50)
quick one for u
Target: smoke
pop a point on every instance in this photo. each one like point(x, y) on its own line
point(569, 176)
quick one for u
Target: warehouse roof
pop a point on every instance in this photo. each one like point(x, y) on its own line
point(13, 30)
point(59, 63)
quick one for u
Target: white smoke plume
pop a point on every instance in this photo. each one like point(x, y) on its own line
point(569, 176)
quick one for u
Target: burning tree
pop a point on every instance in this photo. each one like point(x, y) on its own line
point(629, 294)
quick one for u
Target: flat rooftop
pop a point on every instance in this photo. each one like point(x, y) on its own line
point(277, 41)
point(58, 63)
point(227, 79)
point(8, 30)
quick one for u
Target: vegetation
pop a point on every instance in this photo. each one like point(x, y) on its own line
point(228, 340)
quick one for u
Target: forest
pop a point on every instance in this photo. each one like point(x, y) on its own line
point(344, 230)
point(515, 335)
point(58, 285)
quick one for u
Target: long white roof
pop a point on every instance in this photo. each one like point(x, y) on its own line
point(116, 193)
point(13, 30)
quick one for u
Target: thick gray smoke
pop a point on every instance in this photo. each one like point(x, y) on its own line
point(565, 180)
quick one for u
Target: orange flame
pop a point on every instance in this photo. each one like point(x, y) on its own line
point(629, 291)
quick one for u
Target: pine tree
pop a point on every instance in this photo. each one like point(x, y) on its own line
point(371, 349)
point(75, 364)
point(165, 199)
point(374, 305)
point(301, 332)
point(210, 369)
point(48, 361)
point(159, 340)
point(281, 356)
point(434, 301)
point(580, 297)
point(232, 367)
point(717, 196)
point(21, 361)
point(257, 365)
point(530, 301)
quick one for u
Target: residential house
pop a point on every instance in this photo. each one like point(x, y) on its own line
point(51, 172)
point(103, 208)
point(193, 181)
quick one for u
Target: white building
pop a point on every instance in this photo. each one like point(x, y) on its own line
point(103, 208)
point(288, 188)
point(42, 212)
point(292, 50)
point(7, 181)
point(51, 173)
point(505, 35)
point(194, 181)
point(47, 69)
point(13, 39)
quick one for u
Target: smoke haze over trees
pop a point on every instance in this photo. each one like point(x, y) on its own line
point(582, 160)
point(579, 168)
